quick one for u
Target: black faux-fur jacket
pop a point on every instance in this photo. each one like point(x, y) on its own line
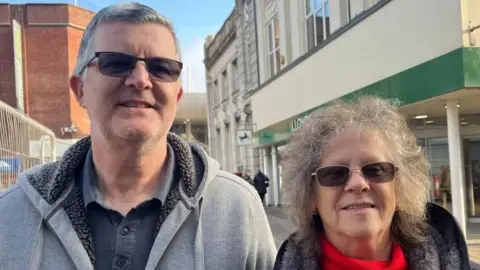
point(444, 249)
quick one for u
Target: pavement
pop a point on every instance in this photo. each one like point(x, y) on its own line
point(282, 228)
point(474, 252)
point(280, 225)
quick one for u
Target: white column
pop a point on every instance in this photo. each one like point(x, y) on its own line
point(274, 178)
point(455, 156)
point(188, 129)
point(264, 156)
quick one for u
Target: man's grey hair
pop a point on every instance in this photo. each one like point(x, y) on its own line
point(127, 13)
point(302, 157)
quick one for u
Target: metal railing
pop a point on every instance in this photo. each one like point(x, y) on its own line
point(24, 143)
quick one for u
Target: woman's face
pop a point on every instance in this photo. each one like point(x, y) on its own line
point(358, 208)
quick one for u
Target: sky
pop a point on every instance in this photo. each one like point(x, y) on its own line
point(193, 20)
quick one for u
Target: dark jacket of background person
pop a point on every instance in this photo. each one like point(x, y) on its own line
point(260, 181)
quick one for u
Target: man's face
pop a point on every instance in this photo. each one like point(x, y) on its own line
point(135, 106)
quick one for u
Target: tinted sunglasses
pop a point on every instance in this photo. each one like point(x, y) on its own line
point(118, 64)
point(337, 175)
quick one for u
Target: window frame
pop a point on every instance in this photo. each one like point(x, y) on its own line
point(312, 5)
point(273, 50)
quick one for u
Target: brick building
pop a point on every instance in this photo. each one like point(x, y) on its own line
point(38, 51)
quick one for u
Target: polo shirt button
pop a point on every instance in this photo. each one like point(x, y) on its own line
point(121, 262)
point(124, 231)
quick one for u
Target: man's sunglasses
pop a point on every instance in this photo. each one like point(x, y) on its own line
point(337, 175)
point(118, 64)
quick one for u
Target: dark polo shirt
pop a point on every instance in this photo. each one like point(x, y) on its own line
point(123, 242)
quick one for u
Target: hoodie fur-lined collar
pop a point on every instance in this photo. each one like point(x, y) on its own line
point(58, 178)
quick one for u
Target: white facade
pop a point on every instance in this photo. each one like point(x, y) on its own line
point(231, 69)
point(400, 35)
point(422, 52)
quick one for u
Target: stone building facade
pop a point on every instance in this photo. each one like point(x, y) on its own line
point(232, 73)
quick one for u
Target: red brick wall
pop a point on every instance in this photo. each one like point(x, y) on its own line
point(77, 113)
point(7, 80)
point(77, 17)
point(47, 71)
point(52, 34)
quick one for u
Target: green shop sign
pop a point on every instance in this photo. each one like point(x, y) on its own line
point(266, 137)
point(296, 123)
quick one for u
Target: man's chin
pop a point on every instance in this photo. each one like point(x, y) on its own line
point(136, 133)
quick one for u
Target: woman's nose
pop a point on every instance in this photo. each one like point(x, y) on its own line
point(356, 182)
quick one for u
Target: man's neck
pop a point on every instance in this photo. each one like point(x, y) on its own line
point(128, 175)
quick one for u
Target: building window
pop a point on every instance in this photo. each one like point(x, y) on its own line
point(274, 46)
point(235, 82)
point(216, 94)
point(252, 60)
point(225, 91)
point(317, 20)
point(349, 10)
point(218, 148)
point(357, 7)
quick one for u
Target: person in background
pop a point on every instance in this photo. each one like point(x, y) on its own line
point(261, 182)
point(357, 185)
point(132, 195)
point(248, 179)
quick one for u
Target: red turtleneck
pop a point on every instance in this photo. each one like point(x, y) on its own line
point(333, 259)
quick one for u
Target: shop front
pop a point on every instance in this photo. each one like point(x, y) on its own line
point(448, 129)
point(441, 100)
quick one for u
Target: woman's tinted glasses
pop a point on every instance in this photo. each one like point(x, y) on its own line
point(118, 64)
point(337, 175)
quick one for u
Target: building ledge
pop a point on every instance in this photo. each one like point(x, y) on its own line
point(445, 74)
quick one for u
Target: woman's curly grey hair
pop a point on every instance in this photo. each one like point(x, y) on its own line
point(302, 156)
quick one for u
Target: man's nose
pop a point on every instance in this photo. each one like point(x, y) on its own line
point(357, 182)
point(140, 77)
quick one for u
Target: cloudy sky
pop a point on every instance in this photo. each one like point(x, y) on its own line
point(194, 20)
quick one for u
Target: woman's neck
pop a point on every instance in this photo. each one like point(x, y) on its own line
point(377, 248)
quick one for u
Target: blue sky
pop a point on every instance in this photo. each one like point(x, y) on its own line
point(193, 20)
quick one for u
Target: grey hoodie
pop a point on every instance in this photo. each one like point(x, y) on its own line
point(211, 220)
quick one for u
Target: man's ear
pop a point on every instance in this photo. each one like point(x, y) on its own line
point(76, 84)
point(179, 94)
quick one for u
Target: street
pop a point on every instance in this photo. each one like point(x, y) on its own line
point(281, 226)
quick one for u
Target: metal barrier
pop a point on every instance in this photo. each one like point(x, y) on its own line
point(24, 143)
